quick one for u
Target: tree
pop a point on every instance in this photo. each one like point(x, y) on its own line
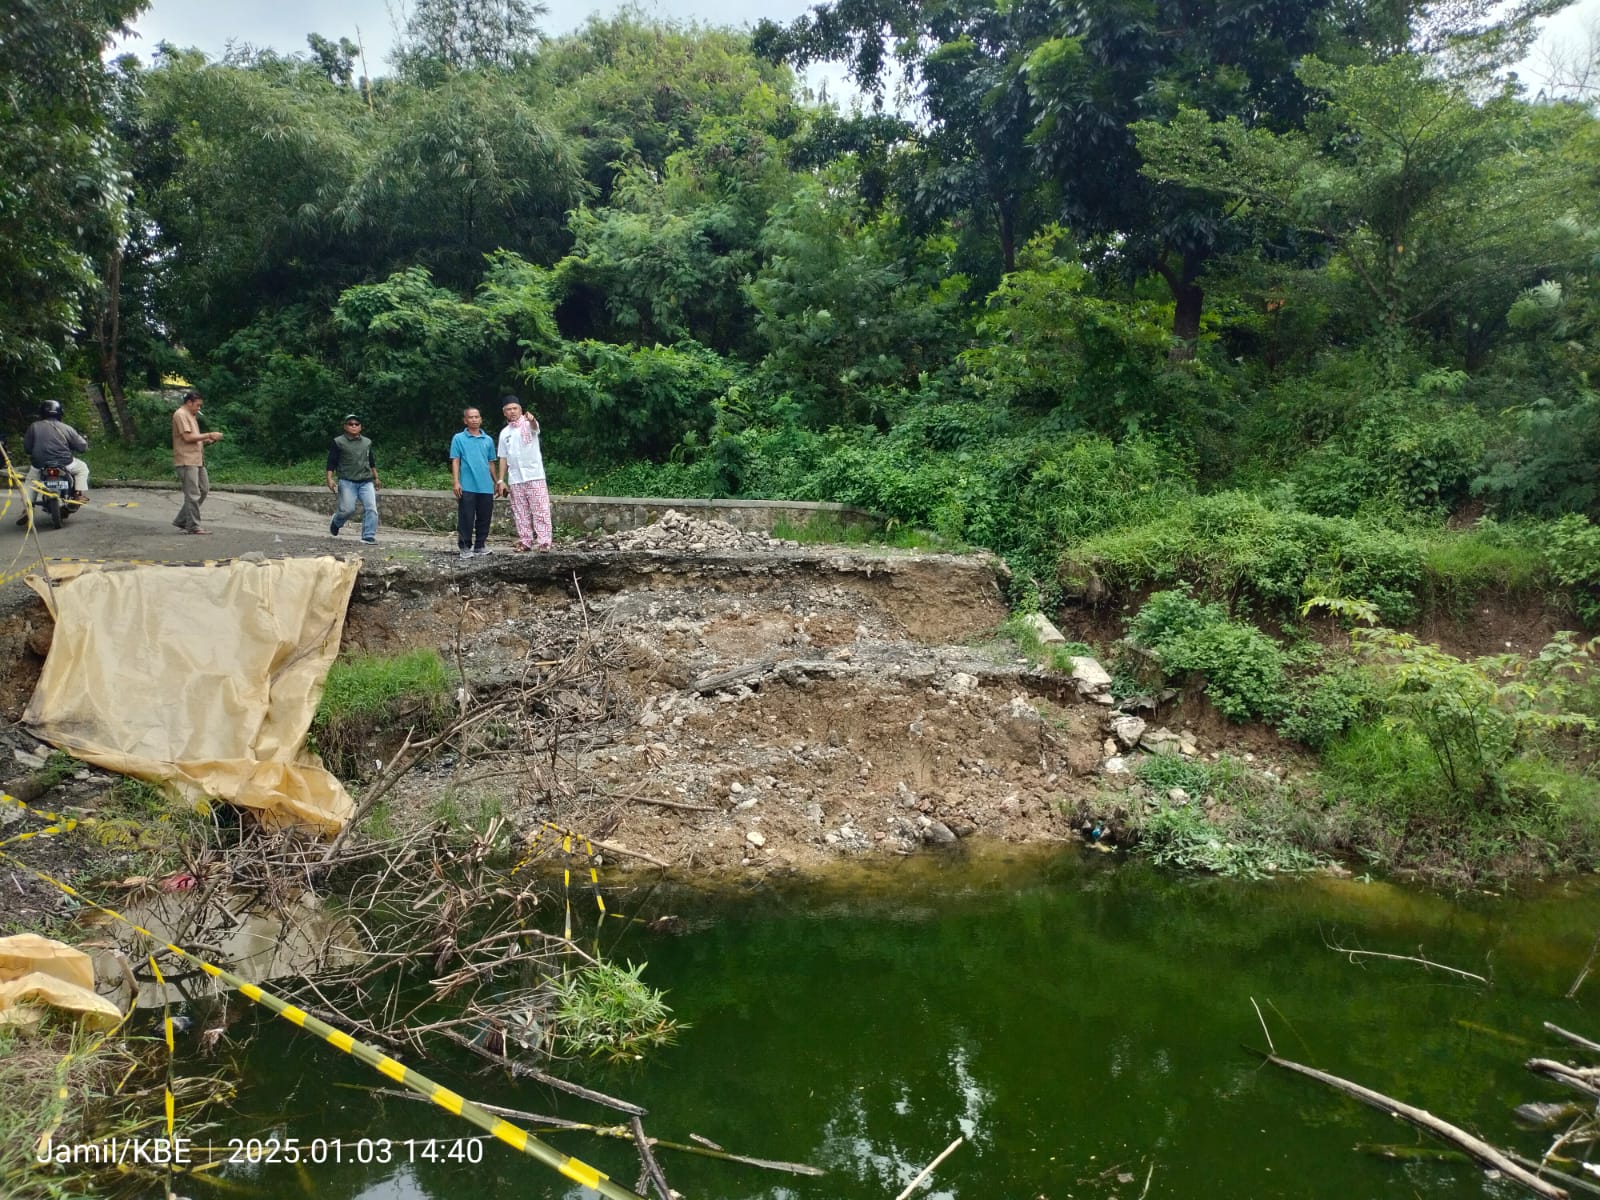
point(1033, 86)
point(444, 36)
point(1441, 207)
point(60, 182)
point(459, 170)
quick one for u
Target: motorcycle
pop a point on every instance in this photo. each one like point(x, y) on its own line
point(55, 494)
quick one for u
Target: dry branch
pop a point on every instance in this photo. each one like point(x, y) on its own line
point(1582, 1043)
point(1484, 1153)
point(1572, 1077)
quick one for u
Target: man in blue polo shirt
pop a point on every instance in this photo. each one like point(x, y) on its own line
point(471, 452)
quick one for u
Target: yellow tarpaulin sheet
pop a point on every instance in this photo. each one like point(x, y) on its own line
point(204, 679)
point(37, 970)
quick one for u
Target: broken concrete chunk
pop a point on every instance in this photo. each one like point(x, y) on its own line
point(1022, 710)
point(1047, 633)
point(1160, 741)
point(1089, 675)
point(961, 684)
point(1128, 731)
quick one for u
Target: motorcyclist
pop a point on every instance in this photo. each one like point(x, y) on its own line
point(51, 442)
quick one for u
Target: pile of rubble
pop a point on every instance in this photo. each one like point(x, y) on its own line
point(676, 531)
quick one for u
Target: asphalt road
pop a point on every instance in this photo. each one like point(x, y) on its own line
point(135, 525)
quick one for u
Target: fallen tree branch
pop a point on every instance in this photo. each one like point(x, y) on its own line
point(652, 1168)
point(1484, 1153)
point(1582, 1043)
point(523, 1071)
point(1352, 955)
point(1571, 1077)
point(928, 1170)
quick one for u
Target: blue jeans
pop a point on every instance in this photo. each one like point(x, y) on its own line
point(349, 494)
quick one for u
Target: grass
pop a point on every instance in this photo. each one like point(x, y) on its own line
point(828, 530)
point(370, 685)
point(58, 768)
point(1458, 568)
point(367, 693)
point(1025, 638)
point(34, 1067)
point(153, 828)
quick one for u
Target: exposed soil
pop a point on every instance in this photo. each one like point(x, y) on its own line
point(773, 706)
point(871, 716)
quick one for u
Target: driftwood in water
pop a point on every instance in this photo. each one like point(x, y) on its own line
point(707, 1148)
point(524, 1071)
point(1584, 1080)
point(1577, 1040)
point(1486, 1154)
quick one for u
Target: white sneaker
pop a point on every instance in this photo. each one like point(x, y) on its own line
point(467, 553)
point(484, 553)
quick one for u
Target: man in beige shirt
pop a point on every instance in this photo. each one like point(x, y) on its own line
point(189, 457)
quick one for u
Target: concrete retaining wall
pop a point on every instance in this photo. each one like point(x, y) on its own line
point(437, 510)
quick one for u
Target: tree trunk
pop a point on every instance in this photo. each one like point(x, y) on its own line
point(1008, 236)
point(1188, 304)
point(1186, 321)
point(97, 397)
point(108, 339)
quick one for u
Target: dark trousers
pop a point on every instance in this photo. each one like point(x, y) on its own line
point(473, 512)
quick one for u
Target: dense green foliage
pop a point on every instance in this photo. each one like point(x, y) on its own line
point(1233, 309)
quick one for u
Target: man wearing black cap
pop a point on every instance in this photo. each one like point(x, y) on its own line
point(353, 474)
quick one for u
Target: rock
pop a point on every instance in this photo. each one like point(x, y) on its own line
point(40, 636)
point(1159, 741)
point(746, 805)
point(650, 720)
point(939, 834)
point(961, 684)
point(1110, 747)
point(1115, 765)
point(814, 813)
point(1128, 731)
point(1021, 710)
point(736, 787)
point(1089, 675)
point(756, 838)
point(1177, 795)
point(1047, 633)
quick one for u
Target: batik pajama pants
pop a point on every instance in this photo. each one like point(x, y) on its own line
point(530, 509)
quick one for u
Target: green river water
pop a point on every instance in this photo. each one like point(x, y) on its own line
point(1079, 1019)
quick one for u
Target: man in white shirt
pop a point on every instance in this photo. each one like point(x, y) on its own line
point(521, 476)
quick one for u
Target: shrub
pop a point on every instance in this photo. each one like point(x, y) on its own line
point(605, 1010)
point(1236, 546)
point(1457, 772)
point(1572, 552)
point(1180, 835)
point(1327, 703)
point(1243, 668)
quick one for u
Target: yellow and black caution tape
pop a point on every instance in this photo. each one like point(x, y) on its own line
point(452, 1102)
point(54, 822)
point(567, 839)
